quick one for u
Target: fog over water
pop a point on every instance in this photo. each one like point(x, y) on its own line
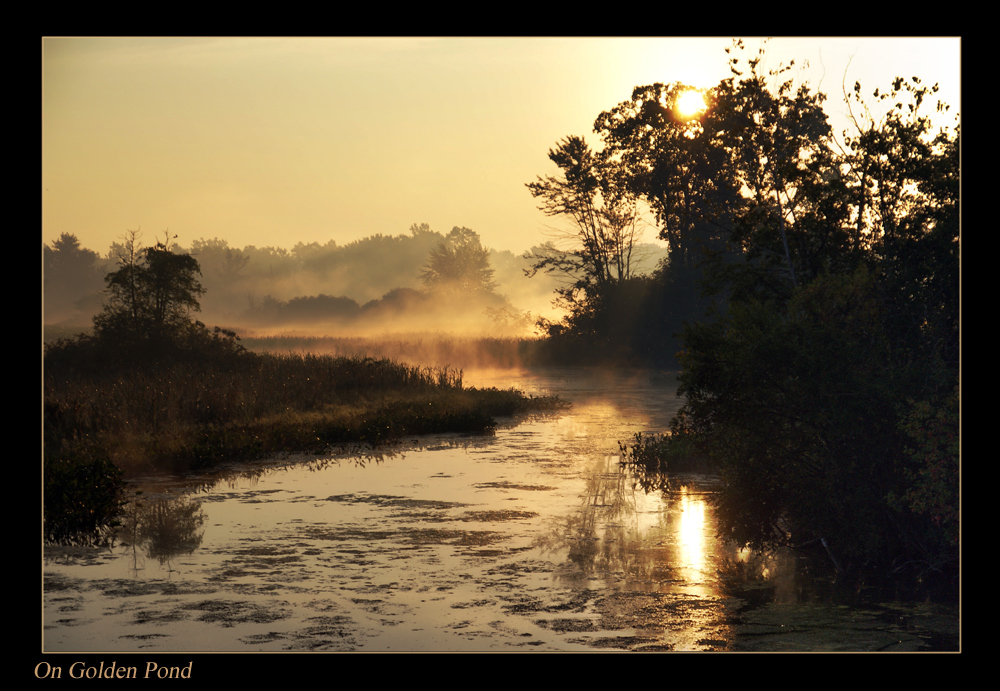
point(470, 543)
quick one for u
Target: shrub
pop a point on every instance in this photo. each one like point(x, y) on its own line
point(82, 500)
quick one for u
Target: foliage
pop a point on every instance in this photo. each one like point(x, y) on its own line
point(843, 304)
point(669, 161)
point(655, 459)
point(213, 402)
point(310, 308)
point(600, 290)
point(311, 286)
point(150, 296)
point(83, 498)
point(793, 407)
point(72, 278)
point(602, 216)
point(144, 326)
point(930, 467)
point(249, 281)
point(200, 412)
point(459, 265)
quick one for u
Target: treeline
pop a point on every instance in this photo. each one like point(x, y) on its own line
point(376, 283)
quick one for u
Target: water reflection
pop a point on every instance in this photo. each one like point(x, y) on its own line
point(161, 528)
point(691, 534)
point(649, 541)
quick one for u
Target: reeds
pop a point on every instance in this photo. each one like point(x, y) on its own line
point(187, 415)
point(108, 417)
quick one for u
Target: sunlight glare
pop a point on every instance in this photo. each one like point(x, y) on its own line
point(690, 103)
point(691, 530)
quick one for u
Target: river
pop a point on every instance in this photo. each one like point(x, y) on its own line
point(532, 538)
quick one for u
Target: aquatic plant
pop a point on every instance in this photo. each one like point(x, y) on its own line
point(653, 458)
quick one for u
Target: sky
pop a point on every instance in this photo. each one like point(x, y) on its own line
point(275, 141)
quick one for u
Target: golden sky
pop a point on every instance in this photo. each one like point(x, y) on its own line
point(275, 141)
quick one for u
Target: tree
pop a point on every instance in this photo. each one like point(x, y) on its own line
point(594, 254)
point(904, 184)
point(825, 392)
point(71, 276)
point(459, 265)
point(220, 261)
point(604, 223)
point(668, 160)
point(755, 170)
point(151, 295)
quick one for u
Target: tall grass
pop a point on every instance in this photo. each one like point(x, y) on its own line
point(187, 414)
point(110, 415)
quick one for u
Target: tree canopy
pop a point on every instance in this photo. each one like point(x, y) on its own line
point(594, 252)
point(151, 295)
point(459, 264)
point(72, 276)
point(603, 221)
point(825, 389)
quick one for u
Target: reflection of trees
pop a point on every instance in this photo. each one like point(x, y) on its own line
point(162, 528)
point(602, 537)
point(607, 538)
point(613, 536)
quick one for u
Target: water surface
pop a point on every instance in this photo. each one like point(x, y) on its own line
point(531, 538)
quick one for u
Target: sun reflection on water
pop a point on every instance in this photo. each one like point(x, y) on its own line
point(691, 529)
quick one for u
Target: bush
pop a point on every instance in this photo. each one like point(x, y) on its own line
point(800, 406)
point(657, 458)
point(82, 501)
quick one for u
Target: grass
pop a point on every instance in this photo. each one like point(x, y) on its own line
point(106, 422)
point(184, 416)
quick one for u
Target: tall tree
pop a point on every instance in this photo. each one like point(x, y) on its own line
point(668, 159)
point(71, 275)
point(745, 170)
point(814, 390)
point(904, 183)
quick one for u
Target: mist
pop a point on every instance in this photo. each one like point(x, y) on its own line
point(370, 288)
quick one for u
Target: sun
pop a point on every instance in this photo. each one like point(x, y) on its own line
point(690, 103)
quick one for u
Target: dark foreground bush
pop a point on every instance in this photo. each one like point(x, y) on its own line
point(83, 499)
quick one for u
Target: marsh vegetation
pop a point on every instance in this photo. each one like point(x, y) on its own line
point(191, 414)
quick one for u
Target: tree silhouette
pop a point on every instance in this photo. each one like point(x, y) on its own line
point(603, 220)
point(825, 391)
point(459, 264)
point(151, 295)
point(72, 276)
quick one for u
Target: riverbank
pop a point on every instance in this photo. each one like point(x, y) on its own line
point(105, 422)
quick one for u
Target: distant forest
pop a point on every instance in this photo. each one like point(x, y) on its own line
point(374, 285)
